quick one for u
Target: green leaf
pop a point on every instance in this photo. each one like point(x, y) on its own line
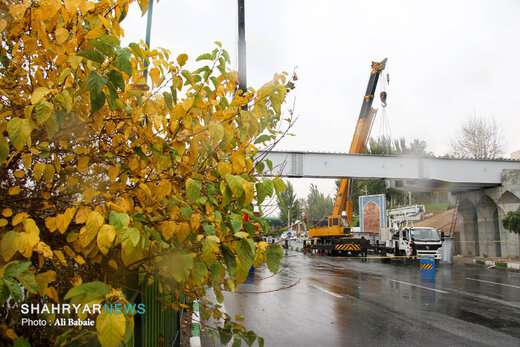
point(92, 54)
point(209, 250)
point(183, 263)
point(235, 184)
point(193, 190)
point(134, 236)
point(28, 281)
point(122, 61)
point(15, 289)
point(245, 253)
point(241, 235)
point(274, 256)
point(116, 78)
point(4, 149)
point(21, 342)
point(216, 272)
point(236, 342)
point(16, 268)
point(199, 272)
point(168, 100)
point(87, 292)
point(225, 336)
point(205, 56)
point(208, 229)
point(260, 341)
point(95, 84)
point(43, 110)
point(229, 260)
point(186, 212)
point(105, 44)
point(249, 337)
point(279, 185)
point(119, 220)
point(269, 164)
point(19, 131)
point(263, 138)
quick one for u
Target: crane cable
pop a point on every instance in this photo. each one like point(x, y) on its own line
point(384, 130)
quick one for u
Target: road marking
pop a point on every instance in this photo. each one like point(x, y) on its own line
point(490, 282)
point(422, 287)
point(485, 297)
point(326, 291)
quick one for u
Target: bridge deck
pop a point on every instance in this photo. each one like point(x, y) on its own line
point(407, 172)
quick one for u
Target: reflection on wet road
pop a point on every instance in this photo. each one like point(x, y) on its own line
point(325, 301)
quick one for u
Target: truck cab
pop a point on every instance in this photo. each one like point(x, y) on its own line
point(415, 242)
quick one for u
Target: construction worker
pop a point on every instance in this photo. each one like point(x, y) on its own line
point(364, 243)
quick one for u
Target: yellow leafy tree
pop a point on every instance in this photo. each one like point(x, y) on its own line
point(109, 182)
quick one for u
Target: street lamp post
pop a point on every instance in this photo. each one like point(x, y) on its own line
point(242, 70)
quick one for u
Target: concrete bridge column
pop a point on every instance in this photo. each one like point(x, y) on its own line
point(469, 237)
point(511, 242)
point(488, 229)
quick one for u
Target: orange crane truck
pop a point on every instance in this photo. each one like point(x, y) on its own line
point(335, 236)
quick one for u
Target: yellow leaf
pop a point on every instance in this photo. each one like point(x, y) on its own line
point(18, 10)
point(18, 218)
point(49, 173)
point(72, 6)
point(195, 221)
point(249, 194)
point(66, 218)
point(94, 221)
point(155, 75)
point(43, 279)
point(3, 222)
point(76, 280)
point(224, 168)
point(38, 94)
point(3, 24)
point(238, 162)
point(52, 294)
point(19, 174)
point(10, 333)
point(79, 259)
point(44, 250)
point(29, 239)
point(111, 329)
point(182, 59)
point(14, 191)
point(105, 238)
point(7, 212)
point(50, 223)
point(30, 226)
point(113, 264)
point(9, 244)
point(38, 171)
point(182, 231)
point(83, 164)
point(167, 229)
point(61, 257)
point(113, 172)
point(82, 215)
point(61, 35)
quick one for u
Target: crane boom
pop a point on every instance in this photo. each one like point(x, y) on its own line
point(361, 134)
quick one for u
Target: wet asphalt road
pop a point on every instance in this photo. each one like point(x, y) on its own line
point(325, 301)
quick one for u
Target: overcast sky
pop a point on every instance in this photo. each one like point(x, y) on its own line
point(446, 60)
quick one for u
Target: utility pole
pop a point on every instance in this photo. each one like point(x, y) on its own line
point(148, 33)
point(242, 69)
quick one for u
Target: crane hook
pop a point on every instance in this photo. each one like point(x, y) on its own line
point(383, 96)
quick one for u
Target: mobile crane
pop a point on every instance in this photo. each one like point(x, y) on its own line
point(335, 237)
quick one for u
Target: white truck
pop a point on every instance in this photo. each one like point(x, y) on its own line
point(414, 242)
